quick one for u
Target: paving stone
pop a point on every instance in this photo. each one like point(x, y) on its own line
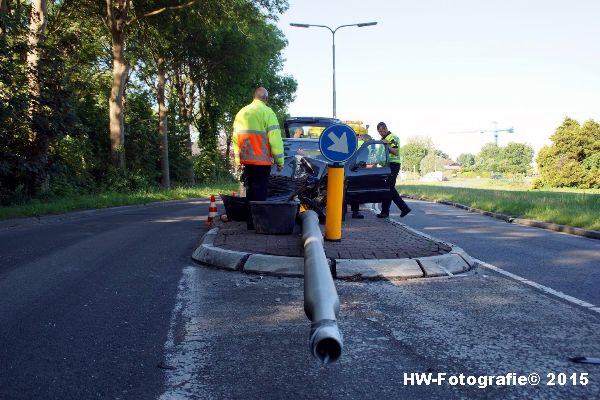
point(370, 249)
point(368, 238)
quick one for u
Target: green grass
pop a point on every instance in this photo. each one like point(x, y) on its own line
point(580, 208)
point(110, 199)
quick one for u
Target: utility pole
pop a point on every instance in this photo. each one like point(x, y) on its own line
point(333, 31)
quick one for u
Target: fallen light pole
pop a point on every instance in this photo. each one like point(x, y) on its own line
point(321, 302)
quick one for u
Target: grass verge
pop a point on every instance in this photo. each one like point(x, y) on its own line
point(579, 209)
point(58, 205)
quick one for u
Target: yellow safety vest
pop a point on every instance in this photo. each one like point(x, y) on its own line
point(256, 136)
point(394, 142)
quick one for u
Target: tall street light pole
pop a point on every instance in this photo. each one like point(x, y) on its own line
point(333, 31)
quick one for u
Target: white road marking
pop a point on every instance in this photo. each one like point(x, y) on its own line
point(541, 287)
point(186, 350)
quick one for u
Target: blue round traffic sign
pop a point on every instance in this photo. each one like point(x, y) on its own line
point(338, 143)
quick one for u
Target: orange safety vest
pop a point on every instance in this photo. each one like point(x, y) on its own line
point(253, 147)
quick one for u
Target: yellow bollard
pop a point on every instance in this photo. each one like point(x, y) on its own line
point(335, 198)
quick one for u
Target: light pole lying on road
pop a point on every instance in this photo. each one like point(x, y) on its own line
point(333, 31)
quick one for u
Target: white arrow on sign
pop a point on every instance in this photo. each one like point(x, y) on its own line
point(340, 145)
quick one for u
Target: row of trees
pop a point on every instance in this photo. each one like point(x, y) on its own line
point(573, 158)
point(419, 155)
point(514, 158)
point(106, 94)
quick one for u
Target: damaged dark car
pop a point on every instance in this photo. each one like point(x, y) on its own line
point(305, 170)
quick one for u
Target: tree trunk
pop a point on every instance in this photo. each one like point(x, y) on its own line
point(165, 180)
point(37, 24)
point(189, 112)
point(117, 21)
point(3, 10)
point(37, 137)
point(229, 138)
point(185, 95)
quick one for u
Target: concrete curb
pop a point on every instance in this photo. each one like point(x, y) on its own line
point(455, 262)
point(448, 264)
point(572, 230)
point(588, 233)
point(394, 269)
point(275, 265)
point(215, 256)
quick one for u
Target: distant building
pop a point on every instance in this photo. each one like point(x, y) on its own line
point(450, 165)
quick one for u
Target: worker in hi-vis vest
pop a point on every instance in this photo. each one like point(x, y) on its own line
point(394, 146)
point(257, 143)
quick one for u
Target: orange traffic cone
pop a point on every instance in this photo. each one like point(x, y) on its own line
point(212, 210)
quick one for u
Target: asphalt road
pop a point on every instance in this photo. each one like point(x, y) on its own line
point(87, 299)
point(109, 305)
point(563, 262)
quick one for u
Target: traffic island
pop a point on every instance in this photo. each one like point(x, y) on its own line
point(370, 249)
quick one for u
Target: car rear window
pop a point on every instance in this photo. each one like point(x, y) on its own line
point(293, 147)
point(306, 131)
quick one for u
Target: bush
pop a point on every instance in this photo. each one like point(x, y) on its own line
point(210, 166)
point(468, 174)
point(71, 160)
point(119, 180)
point(538, 184)
point(573, 159)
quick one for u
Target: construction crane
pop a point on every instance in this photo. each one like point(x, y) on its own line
point(495, 130)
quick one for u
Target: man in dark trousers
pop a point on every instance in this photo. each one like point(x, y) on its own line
point(257, 143)
point(394, 145)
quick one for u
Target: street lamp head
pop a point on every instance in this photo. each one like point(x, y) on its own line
point(299, 25)
point(366, 24)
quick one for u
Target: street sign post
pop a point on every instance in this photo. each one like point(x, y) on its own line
point(337, 144)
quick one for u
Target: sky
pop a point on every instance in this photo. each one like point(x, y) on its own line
point(431, 67)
